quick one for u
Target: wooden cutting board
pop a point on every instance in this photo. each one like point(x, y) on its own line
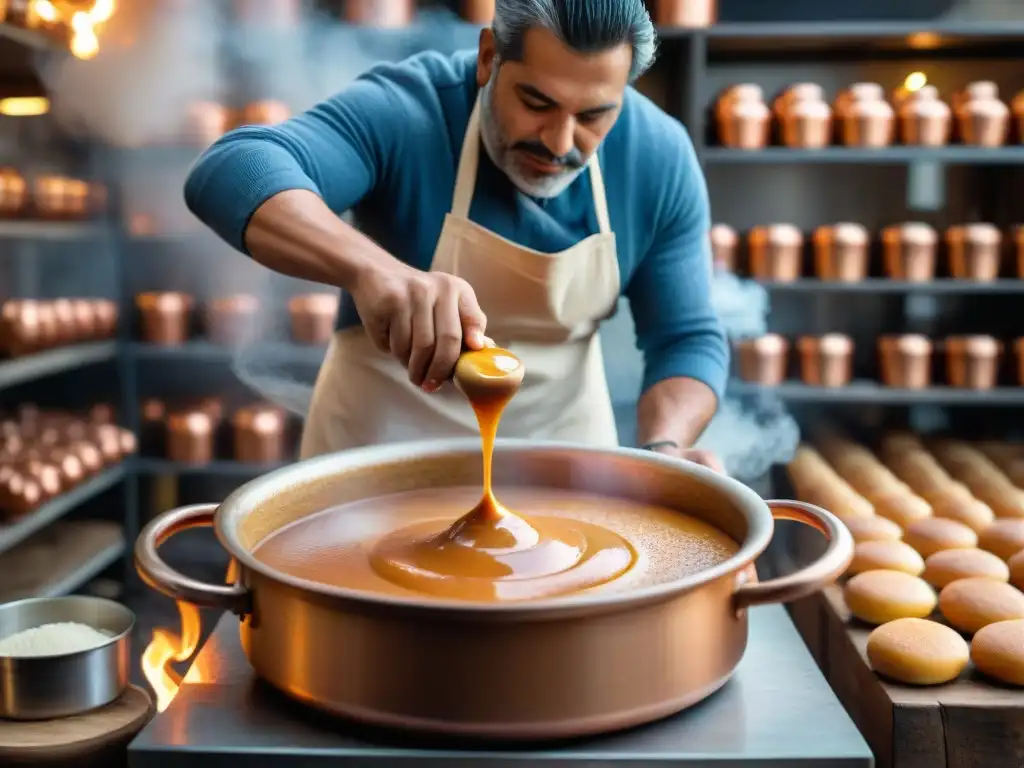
point(98, 738)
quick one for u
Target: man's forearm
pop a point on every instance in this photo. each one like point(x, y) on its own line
point(296, 234)
point(676, 410)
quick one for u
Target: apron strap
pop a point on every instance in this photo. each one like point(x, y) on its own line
point(469, 162)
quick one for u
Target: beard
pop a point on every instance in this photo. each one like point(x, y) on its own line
point(507, 155)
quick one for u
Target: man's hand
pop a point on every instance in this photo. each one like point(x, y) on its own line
point(422, 318)
point(696, 455)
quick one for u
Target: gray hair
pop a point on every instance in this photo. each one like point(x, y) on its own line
point(587, 26)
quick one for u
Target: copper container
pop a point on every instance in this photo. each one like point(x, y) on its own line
point(107, 439)
point(106, 314)
point(67, 328)
point(776, 253)
point(13, 192)
point(102, 413)
point(856, 92)
point(764, 359)
point(23, 327)
point(807, 124)
point(271, 13)
point(231, 320)
point(57, 197)
point(313, 317)
point(906, 361)
point(190, 437)
point(165, 317)
point(982, 119)
point(690, 14)
point(88, 454)
point(841, 252)
point(259, 434)
point(153, 427)
point(380, 13)
point(19, 495)
point(86, 321)
point(924, 119)
point(909, 252)
point(1018, 245)
point(70, 466)
point(975, 252)
point(479, 12)
point(1017, 108)
point(742, 117)
point(972, 362)
point(205, 122)
point(265, 112)
point(46, 475)
point(865, 118)
point(794, 93)
point(1018, 348)
point(568, 694)
point(826, 361)
point(724, 245)
point(49, 329)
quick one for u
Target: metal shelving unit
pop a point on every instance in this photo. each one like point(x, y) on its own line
point(897, 155)
point(147, 466)
point(873, 393)
point(877, 285)
point(22, 370)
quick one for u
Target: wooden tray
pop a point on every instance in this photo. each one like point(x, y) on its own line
point(969, 723)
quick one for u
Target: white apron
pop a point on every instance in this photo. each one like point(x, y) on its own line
point(544, 307)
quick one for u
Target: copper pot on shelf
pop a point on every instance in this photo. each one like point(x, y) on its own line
point(724, 247)
point(190, 437)
point(231, 320)
point(380, 13)
point(982, 118)
point(165, 317)
point(841, 252)
point(480, 12)
point(924, 119)
point(566, 696)
point(972, 362)
point(687, 14)
point(742, 117)
point(64, 315)
point(13, 192)
point(205, 122)
point(259, 434)
point(313, 317)
point(865, 117)
point(19, 495)
point(58, 197)
point(826, 361)
point(906, 361)
point(1017, 109)
point(909, 252)
point(975, 251)
point(805, 118)
point(23, 327)
point(1018, 347)
point(1017, 234)
point(776, 252)
point(153, 427)
point(106, 314)
point(763, 359)
point(86, 319)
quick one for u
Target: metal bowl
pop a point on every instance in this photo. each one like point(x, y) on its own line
point(45, 687)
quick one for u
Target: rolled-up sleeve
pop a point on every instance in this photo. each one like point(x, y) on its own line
point(339, 150)
point(670, 292)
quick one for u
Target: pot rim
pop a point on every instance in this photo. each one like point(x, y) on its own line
point(760, 525)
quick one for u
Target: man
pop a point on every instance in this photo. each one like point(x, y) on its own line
point(510, 194)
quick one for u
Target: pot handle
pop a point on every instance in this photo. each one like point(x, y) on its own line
point(819, 574)
point(164, 579)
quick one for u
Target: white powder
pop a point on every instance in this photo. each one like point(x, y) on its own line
point(53, 640)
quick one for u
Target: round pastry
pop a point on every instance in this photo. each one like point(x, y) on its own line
point(1004, 538)
point(1016, 565)
point(970, 604)
point(917, 652)
point(873, 529)
point(947, 566)
point(936, 534)
point(876, 597)
point(976, 515)
point(903, 509)
point(885, 556)
point(998, 651)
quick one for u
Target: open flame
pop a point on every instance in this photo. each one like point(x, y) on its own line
point(167, 648)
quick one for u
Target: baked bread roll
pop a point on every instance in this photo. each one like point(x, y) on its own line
point(982, 476)
point(815, 482)
point(1009, 457)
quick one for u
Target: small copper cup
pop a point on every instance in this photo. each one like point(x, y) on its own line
point(906, 361)
point(806, 124)
point(764, 359)
point(724, 245)
point(58, 197)
point(868, 123)
point(776, 253)
point(690, 14)
point(190, 437)
point(742, 118)
point(1017, 234)
point(1018, 347)
point(1017, 109)
point(909, 252)
point(165, 317)
point(826, 361)
point(975, 251)
point(972, 362)
point(380, 13)
point(924, 119)
point(841, 252)
point(259, 434)
point(231, 320)
point(982, 118)
point(313, 317)
point(106, 313)
point(13, 193)
point(153, 427)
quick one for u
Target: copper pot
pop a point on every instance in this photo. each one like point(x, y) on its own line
point(205, 122)
point(1018, 347)
point(165, 317)
point(231, 320)
point(67, 328)
point(724, 244)
point(313, 317)
point(691, 14)
point(982, 119)
point(1017, 108)
point(479, 12)
point(380, 13)
point(106, 314)
point(58, 197)
point(806, 123)
point(975, 251)
point(259, 434)
point(972, 362)
point(265, 112)
point(153, 427)
point(271, 13)
point(794, 93)
point(924, 119)
point(826, 361)
point(906, 361)
point(190, 437)
point(764, 359)
point(841, 252)
point(1017, 236)
point(23, 327)
point(909, 252)
point(567, 695)
point(13, 192)
point(865, 118)
point(742, 117)
point(776, 253)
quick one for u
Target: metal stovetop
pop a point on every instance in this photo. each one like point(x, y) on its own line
point(776, 712)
